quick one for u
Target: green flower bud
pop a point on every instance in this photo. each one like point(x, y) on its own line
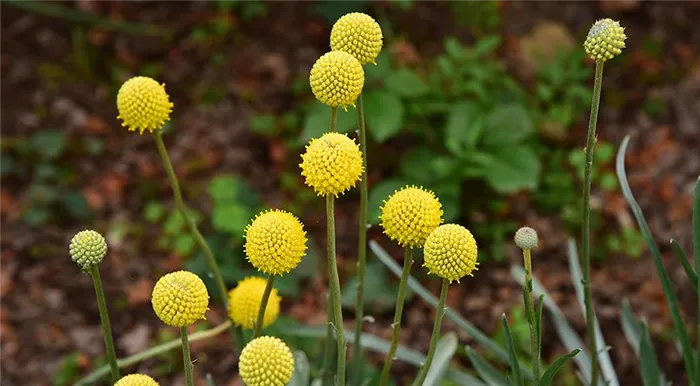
point(605, 40)
point(87, 248)
point(526, 238)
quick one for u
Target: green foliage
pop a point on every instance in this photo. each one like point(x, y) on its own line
point(67, 370)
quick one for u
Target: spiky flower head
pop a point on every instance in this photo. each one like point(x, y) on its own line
point(410, 214)
point(332, 164)
point(87, 248)
point(359, 35)
point(337, 79)
point(180, 299)
point(266, 361)
point(275, 242)
point(526, 238)
point(143, 104)
point(605, 40)
point(450, 252)
point(136, 380)
point(244, 303)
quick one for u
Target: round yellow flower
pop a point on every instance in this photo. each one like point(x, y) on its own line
point(337, 79)
point(244, 303)
point(266, 361)
point(410, 214)
point(143, 104)
point(450, 252)
point(136, 380)
point(180, 299)
point(605, 40)
point(332, 164)
point(359, 35)
point(275, 242)
point(87, 248)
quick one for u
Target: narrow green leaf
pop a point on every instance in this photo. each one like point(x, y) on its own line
point(514, 364)
point(488, 373)
point(445, 350)
point(631, 326)
point(302, 370)
point(649, 366)
point(689, 271)
point(548, 376)
point(671, 300)
point(696, 253)
point(538, 321)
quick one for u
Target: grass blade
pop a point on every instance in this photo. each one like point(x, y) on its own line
point(696, 253)
point(649, 366)
point(514, 365)
point(553, 369)
point(632, 328)
point(689, 271)
point(671, 300)
point(302, 370)
point(446, 347)
point(488, 373)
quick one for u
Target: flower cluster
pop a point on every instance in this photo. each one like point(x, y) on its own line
point(180, 299)
point(266, 361)
point(244, 303)
point(143, 104)
point(410, 214)
point(450, 252)
point(332, 164)
point(337, 79)
point(359, 35)
point(275, 242)
point(605, 40)
point(87, 248)
point(136, 380)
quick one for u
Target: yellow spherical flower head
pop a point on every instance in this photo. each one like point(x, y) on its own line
point(410, 214)
point(180, 299)
point(275, 242)
point(244, 303)
point(605, 40)
point(359, 35)
point(143, 104)
point(332, 164)
point(266, 361)
point(87, 248)
point(450, 252)
point(136, 380)
point(337, 79)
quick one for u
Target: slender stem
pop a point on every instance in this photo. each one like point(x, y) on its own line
point(334, 119)
point(186, 358)
point(440, 312)
point(527, 296)
point(396, 326)
point(263, 306)
point(586, 230)
point(335, 290)
point(104, 319)
point(361, 249)
point(696, 253)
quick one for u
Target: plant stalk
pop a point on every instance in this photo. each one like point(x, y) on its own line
point(586, 229)
point(396, 325)
point(263, 306)
point(334, 284)
point(527, 296)
point(186, 358)
point(361, 249)
point(104, 319)
point(440, 312)
point(696, 253)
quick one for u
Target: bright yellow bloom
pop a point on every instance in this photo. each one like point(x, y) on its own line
point(605, 40)
point(275, 242)
point(136, 380)
point(410, 214)
point(332, 164)
point(87, 248)
point(337, 79)
point(180, 299)
point(450, 252)
point(244, 303)
point(143, 104)
point(359, 35)
point(526, 238)
point(266, 361)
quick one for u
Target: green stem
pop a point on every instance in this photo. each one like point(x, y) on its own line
point(527, 288)
point(334, 284)
point(263, 306)
point(586, 229)
point(186, 358)
point(696, 253)
point(361, 249)
point(104, 319)
point(440, 312)
point(396, 326)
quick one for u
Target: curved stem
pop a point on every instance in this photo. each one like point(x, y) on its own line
point(527, 296)
point(396, 325)
point(263, 306)
point(586, 229)
point(440, 312)
point(186, 358)
point(104, 319)
point(334, 284)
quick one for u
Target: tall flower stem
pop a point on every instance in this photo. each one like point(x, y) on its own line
point(527, 296)
point(396, 325)
point(586, 229)
point(334, 284)
point(104, 319)
point(440, 312)
point(186, 358)
point(361, 249)
point(263, 306)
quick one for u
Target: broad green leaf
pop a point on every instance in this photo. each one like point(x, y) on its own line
point(507, 125)
point(379, 71)
point(223, 188)
point(689, 270)
point(458, 127)
point(231, 218)
point(649, 366)
point(384, 113)
point(406, 83)
point(510, 169)
point(153, 212)
point(444, 351)
point(488, 373)
point(514, 364)
point(548, 376)
point(302, 370)
point(318, 121)
point(378, 194)
point(424, 167)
